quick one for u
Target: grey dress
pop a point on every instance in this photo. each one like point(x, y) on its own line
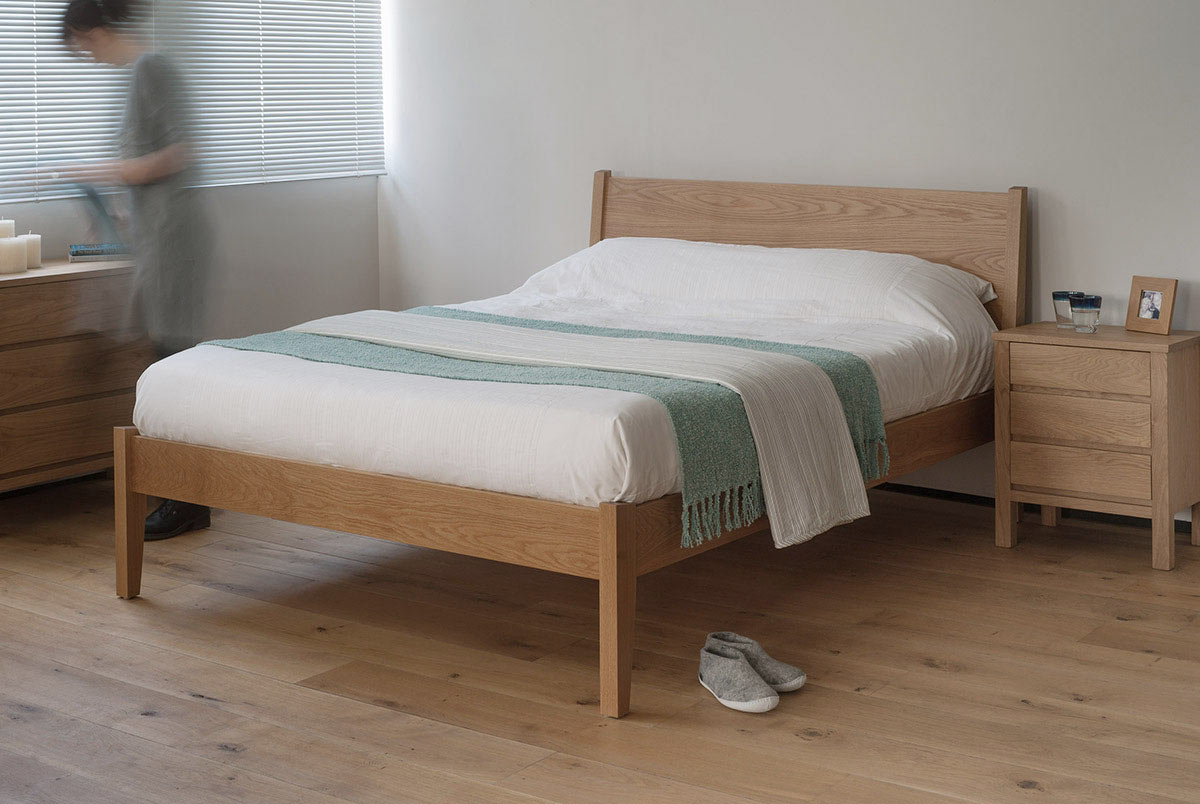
point(170, 234)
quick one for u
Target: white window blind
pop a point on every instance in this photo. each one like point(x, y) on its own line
point(281, 90)
point(284, 89)
point(54, 108)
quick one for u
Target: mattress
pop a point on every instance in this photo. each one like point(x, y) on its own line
point(569, 444)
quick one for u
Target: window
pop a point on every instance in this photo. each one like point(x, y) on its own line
point(54, 108)
point(281, 89)
point(285, 89)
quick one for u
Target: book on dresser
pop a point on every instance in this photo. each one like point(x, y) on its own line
point(68, 368)
point(98, 252)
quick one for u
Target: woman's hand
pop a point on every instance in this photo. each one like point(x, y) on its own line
point(84, 173)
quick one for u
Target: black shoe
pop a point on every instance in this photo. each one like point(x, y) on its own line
point(173, 518)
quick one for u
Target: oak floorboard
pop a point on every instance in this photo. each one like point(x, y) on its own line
point(24, 780)
point(414, 651)
point(632, 742)
point(289, 663)
point(1138, 639)
point(175, 627)
point(859, 749)
point(857, 790)
point(932, 578)
point(240, 742)
point(592, 782)
point(1050, 715)
point(86, 568)
point(264, 700)
point(25, 773)
point(131, 764)
point(677, 672)
point(1045, 746)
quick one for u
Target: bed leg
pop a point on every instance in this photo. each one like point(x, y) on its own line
point(1162, 537)
point(618, 605)
point(130, 517)
point(1196, 524)
point(1007, 514)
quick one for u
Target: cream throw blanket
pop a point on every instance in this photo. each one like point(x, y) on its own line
point(810, 472)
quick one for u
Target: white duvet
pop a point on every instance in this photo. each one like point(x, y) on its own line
point(921, 327)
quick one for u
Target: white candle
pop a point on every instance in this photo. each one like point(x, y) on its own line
point(33, 250)
point(8, 228)
point(13, 254)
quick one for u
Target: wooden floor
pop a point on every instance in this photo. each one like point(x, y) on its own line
point(269, 662)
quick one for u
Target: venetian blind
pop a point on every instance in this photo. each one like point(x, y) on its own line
point(54, 108)
point(281, 90)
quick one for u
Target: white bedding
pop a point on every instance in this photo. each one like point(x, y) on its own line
point(920, 327)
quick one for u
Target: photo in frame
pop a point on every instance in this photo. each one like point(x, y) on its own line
point(1151, 305)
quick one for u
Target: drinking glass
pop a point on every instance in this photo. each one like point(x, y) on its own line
point(1085, 313)
point(1062, 307)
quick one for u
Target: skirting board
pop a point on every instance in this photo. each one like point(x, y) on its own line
point(1182, 525)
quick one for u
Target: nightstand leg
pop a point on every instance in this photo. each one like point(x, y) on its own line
point(1196, 524)
point(1162, 538)
point(1050, 515)
point(1006, 522)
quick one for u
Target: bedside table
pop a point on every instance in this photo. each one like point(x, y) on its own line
point(1106, 422)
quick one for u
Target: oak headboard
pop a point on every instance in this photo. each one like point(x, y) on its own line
point(983, 233)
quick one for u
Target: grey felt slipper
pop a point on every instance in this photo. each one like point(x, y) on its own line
point(725, 673)
point(780, 676)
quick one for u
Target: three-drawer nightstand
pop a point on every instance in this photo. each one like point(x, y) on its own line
point(1105, 422)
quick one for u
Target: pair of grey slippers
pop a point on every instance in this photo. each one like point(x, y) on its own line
point(740, 674)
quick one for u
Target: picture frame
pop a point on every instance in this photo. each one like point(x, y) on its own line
point(1151, 305)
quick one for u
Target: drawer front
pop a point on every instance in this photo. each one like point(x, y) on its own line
point(1080, 369)
point(61, 370)
point(1082, 471)
point(60, 309)
point(61, 433)
point(1079, 418)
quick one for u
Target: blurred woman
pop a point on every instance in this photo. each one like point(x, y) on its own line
point(169, 233)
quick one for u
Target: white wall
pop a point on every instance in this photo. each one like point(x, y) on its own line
point(501, 110)
point(294, 251)
point(285, 253)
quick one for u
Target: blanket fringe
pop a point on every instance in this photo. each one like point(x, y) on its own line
point(707, 518)
point(873, 458)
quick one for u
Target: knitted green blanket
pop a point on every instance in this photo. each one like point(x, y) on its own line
point(721, 485)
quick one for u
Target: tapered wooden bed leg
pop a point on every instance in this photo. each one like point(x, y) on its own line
point(130, 517)
point(1162, 537)
point(618, 605)
point(1196, 524)
point(1007, 514)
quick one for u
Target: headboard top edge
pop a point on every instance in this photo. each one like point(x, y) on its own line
point(613, 177)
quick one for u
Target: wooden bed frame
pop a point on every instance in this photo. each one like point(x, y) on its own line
point(983, 233)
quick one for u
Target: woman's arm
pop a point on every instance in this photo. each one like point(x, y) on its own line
point(154, 166)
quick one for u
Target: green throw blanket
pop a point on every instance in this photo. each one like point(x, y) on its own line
point(721, 485)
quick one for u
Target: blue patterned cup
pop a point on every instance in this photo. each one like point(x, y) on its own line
point(1085, 313)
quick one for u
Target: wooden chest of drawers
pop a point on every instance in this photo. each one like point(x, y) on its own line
point(67, 370)
point(1102, 422)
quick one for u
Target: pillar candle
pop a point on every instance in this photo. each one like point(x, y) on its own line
point(8, 228)
point(33, 250)
point(12, 255)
